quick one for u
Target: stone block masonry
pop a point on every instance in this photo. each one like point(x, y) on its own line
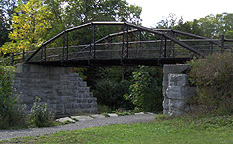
point(64, 92)
point(176, 89)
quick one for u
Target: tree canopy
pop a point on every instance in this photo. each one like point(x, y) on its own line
point(26, 24)
point(29, 23)
point(211, 26)
point(35, 21)
point(6, 11)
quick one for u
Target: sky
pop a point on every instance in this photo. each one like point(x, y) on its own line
point(154, 11)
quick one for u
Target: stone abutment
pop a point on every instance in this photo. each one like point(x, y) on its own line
point(65, 93)
point(176, 89)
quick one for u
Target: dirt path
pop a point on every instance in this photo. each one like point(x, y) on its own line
point(141, 118)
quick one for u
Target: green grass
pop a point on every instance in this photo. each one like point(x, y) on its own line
point(164, 130)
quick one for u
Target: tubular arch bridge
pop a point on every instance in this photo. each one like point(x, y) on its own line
point(121, 43)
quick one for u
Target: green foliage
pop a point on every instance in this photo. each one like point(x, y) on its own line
point(105, 114)
point(216, 25)
point(170, 22)
point(145, 92)
point(35, 21)
point(214, 80)
point(6, 12)
point(83, 11)
point(74, 119)
point(104, 108)
point(137, 110)
point(108, 85)
point(110, 93)
point(68, 122)
point(40, 116)
point(123, 112)
point(211, 26)
point(11, 113)
point(29, 25)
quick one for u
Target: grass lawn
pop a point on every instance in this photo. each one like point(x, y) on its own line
point(184, 130)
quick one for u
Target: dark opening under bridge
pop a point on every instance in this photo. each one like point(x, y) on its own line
point(122, 43)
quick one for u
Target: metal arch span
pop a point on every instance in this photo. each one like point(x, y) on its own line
point(117, 43)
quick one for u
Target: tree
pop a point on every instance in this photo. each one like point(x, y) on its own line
point(146, 90)
point(38, 20)
point(30, 23)
point(190, 27)
point(170, 22)
point(57, 18)
point(211, 26)
point(216, 25)
point(83, 11)
point(6, 11)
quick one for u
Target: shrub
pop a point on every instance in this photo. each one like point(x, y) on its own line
point(213, 77)
point(104, 108)
point(40, 116)
point(145, 92)
point(11, 113)
point(110, 93)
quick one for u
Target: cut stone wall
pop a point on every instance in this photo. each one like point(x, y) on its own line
point(176, 89)
point(64, 92)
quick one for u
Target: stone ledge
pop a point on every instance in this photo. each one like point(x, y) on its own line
point(82, 118)
point(175, 68)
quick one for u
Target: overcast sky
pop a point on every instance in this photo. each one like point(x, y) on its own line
point(154, 11)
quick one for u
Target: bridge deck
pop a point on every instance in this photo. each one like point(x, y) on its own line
point(117, 62)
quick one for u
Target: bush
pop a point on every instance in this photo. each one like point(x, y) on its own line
point(11, 113)
point(40, 116)
point(213, 77)
point(146, 91)
point(110, 93)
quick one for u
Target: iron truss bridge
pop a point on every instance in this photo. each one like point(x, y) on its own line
point(121, 43)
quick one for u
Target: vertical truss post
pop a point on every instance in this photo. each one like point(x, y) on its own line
point(161, 47)
point(173, 44)
point(222, 43)
point(90, 43)
point(64, 45)
point(67, 46)
point(170, 44)
point(125, 39)
point(140, 38)
point(127, 44)
point(165, 48)
point(93, 31)
point(92, 40)
point(138, 34)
